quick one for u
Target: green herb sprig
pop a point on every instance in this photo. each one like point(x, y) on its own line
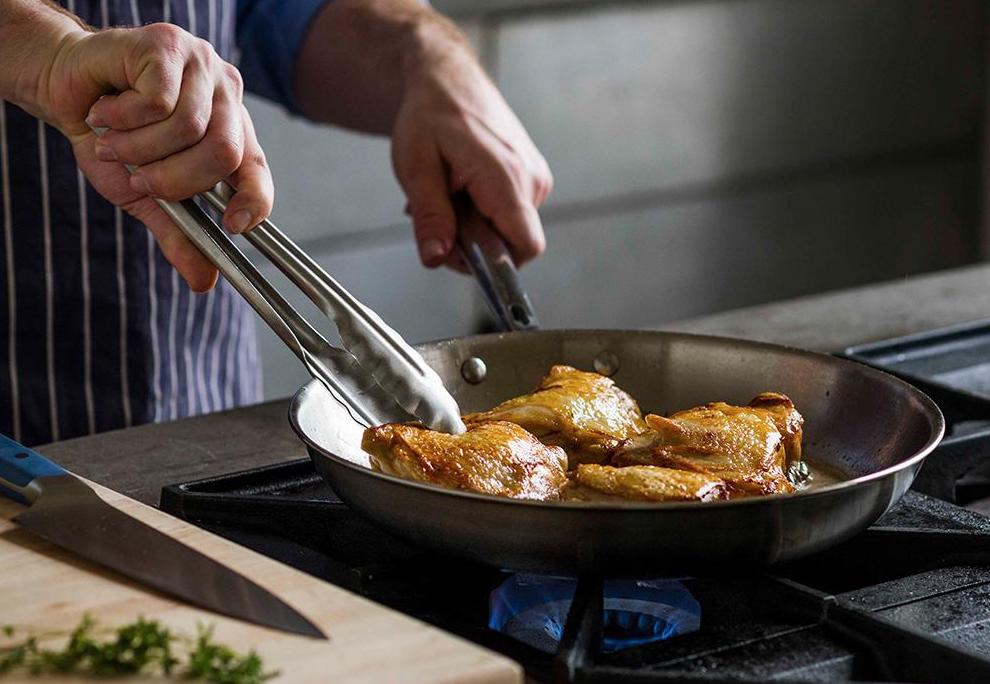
point(142, 647)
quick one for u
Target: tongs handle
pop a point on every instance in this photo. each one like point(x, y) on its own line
point(491, 263)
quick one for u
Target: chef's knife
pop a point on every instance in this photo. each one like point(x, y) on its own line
point(65, 511)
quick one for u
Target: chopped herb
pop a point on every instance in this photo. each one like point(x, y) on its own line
point(145, 647)
point(215, 662)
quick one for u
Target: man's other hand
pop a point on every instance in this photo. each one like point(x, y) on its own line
point(452, 132)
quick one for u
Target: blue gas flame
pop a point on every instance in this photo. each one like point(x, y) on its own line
point(533, 609)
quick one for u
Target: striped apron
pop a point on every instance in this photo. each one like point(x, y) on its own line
point(97, 331)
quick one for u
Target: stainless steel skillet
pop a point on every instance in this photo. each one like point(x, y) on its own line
point(869, 425)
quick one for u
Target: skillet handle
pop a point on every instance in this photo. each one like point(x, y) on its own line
point(489, 260)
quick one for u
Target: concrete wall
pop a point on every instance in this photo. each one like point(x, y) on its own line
point(708, 154)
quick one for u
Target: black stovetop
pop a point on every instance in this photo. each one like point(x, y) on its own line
point(906, 601)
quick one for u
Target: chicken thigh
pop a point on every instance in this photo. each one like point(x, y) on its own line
point(590, 482)
point(748, 447)
point(585, 413)
point(496, 457)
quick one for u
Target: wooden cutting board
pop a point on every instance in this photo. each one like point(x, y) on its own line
point(45, 588)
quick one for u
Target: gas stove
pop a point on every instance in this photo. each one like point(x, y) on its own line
point(906, 601)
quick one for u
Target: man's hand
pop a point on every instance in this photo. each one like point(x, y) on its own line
point(174, 111)
point(451, 130)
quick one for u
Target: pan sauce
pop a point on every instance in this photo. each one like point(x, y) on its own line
point(820, 475)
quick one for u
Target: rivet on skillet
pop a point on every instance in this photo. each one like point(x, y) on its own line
point(474, 370)
point(607, 363)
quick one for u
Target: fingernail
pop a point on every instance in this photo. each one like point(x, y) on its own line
point(240, 221)
point(432, 250)
point(105, 153)
point(96, 121)
point(140, 184)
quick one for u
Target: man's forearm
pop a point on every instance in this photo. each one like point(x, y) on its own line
point(31, 32)
point(358, 56)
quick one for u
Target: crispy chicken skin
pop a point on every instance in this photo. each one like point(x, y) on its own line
point(789, 422)
point(741, 445)
point(590, 482)
point(497, 458)
point(585, 413)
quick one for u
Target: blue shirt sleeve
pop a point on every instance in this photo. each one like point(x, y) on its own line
point(269, 35)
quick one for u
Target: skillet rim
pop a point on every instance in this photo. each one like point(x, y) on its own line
point(931, 411)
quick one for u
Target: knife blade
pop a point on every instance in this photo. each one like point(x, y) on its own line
point(65, 511)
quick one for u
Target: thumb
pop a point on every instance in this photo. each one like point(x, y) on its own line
point(425, 184)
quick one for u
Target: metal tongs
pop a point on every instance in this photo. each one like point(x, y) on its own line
point(376, 354)
point(378, 370)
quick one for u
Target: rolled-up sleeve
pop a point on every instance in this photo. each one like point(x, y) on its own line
point(269, 35)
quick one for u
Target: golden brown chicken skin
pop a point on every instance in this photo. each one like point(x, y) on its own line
point(585, 413)
point(497, 458)
point(789, 422)
point(740, 445)
point(590, 482)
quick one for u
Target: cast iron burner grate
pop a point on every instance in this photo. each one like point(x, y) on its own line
point(906, 601)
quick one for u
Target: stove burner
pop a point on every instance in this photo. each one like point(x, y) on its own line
point(533, 609)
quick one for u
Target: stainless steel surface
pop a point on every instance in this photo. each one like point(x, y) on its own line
point(871, 426)
point(379, 349)
point(71, 515)
point(488, 258)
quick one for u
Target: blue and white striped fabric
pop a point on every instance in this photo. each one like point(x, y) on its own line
point(97, 331)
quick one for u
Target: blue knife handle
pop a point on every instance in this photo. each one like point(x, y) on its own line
point(19, 466)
